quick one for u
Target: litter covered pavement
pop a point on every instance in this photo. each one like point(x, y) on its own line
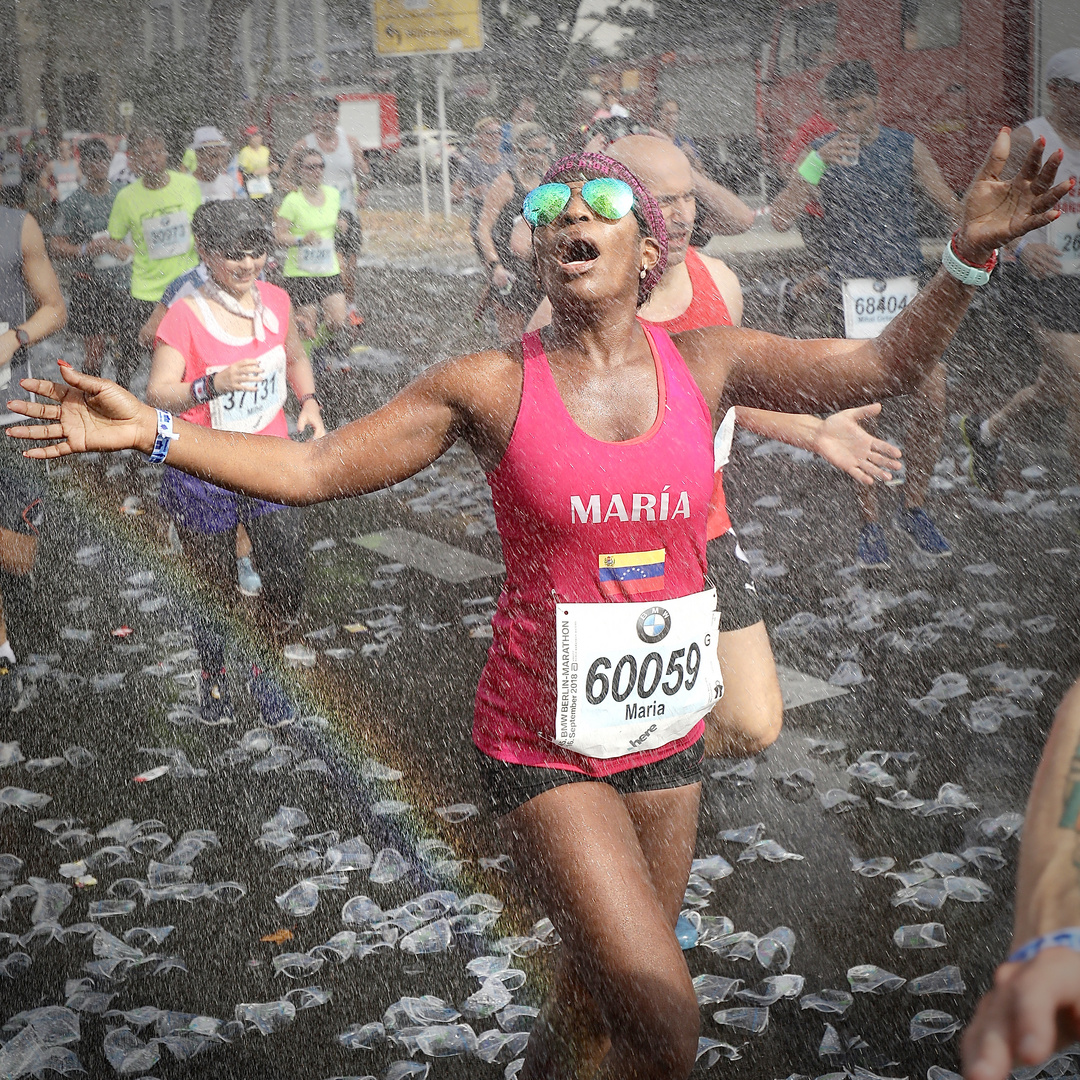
point(313, 889)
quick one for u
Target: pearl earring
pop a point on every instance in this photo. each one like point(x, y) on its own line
point(643, 273)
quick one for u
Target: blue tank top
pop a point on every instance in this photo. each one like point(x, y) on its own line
point(870, 210)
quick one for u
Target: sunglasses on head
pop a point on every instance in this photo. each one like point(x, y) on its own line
point(312, 165)
point(607, 196)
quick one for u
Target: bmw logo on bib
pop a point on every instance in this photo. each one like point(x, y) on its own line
point(653, 625)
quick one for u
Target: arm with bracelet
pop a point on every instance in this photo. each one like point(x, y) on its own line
point(789, 203)
point(302, 380)
point(829, 152)
point(1034, 1006)
point(169, 388)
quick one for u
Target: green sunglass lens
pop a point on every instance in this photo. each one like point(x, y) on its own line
point(544, 204)
point(610, 197)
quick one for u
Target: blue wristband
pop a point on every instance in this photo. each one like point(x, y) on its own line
point(1068, 938)
point(164, 438)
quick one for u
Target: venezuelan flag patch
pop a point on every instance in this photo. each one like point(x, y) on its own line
point(631, 573)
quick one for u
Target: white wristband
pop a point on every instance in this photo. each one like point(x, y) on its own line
point(964, 272)
point(163, 439)
point(1068, 938)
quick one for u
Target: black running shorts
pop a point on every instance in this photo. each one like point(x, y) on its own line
point(22, 488)
point(509, 786)
point(309, 291)
point(729, 570)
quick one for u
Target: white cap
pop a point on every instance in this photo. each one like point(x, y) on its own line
point(208, 136)
point(1064, 65)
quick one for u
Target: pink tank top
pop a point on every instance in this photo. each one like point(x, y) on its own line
point(707, 308)
point(564, 499)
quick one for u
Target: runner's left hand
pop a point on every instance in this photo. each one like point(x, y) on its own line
point(311, 417)
point(997, 211)
point(845, 443)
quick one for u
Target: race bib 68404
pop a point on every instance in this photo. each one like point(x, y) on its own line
point(870, 304)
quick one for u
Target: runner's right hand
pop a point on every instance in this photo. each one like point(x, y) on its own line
point(1032, 1009)
point(311, 238)
point(1041, 260)
point(243, 375)
point(84, 413)
point(842, 147)
point(500, 277)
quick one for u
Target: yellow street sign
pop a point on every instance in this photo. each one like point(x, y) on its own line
point(427, 26)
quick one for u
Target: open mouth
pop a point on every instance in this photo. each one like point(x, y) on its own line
point(576, 255)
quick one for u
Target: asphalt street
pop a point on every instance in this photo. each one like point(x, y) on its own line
point(926, 694)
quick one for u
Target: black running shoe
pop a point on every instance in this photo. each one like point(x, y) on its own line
point(985, 453)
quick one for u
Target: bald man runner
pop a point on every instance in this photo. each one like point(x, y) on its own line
point(699, 291)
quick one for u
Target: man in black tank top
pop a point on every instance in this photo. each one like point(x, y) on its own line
point(27, 283)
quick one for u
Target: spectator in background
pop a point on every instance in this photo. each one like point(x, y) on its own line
point(524, 113)
point(62, 176)
point(11, 177)
point(216, 181)
point(865, 178)
point(156, 210)
point(479, 165)
point(100, 301)
point(255, 164)
point(1050, 257)
point(667, 120)
point(505, 240)
point(27, 283)
point(345, 168)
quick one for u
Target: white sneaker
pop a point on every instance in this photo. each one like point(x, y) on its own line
point(247, 577)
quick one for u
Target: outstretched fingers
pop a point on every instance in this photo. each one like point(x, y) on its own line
point(37, 431)
point(1044, 177)
point(41, 387)
point(88, 384)
point(997, 156)
point(1049, 199)
point(38, 410)
point(53, 450)
point(1033, 164)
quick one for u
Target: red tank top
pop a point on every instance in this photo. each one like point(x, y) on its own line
point(562, 501)
point(707, 308)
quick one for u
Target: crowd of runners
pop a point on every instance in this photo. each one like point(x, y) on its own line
point(603, 415)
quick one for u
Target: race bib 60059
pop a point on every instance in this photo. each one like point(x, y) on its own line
point(634, 676)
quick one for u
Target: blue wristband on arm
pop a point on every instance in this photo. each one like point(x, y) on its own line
point(1067, 938)
point(164, 437)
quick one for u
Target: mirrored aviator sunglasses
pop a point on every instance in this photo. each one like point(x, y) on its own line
point(607, 196)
